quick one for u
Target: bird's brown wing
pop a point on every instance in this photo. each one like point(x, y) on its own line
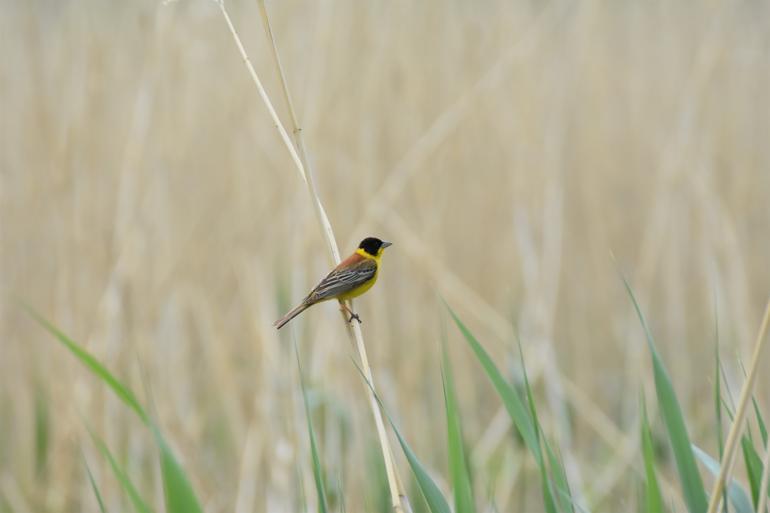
point(344, 278)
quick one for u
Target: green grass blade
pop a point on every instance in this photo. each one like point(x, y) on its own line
point(87, 359)
point(760, 421)
point(653, 497)
point(692, 485)
point(718, 399)
point(545, 482)
point(416, 497)
point(317, 471)
point(515, 406)
point(567, 496)
point(560, 483)
point(102, 508)
point(42, 433)
point(125, 482)
point(735, 493)
point(179, 494)
point(458, 466)
point(548, 500)
point(377, 496)
point(523, 418)
point(430, 491)
point(753, 467)
point(729, 403)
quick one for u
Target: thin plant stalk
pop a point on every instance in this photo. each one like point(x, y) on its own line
point(300, 160)
point(762, 504)
point(740, 413)
point(392, 475)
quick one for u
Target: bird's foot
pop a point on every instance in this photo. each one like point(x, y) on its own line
point(354, 316)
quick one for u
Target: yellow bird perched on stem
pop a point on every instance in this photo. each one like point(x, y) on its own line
point(351, 278)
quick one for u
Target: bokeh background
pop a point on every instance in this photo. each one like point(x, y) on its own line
point(518, 154)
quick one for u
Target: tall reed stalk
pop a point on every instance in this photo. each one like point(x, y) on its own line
point(740, 413)
point(299, 156)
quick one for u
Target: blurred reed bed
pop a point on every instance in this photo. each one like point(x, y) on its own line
point(149, 210)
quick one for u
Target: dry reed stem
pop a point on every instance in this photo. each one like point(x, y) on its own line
point(740, 414)
point(394, 483)
point(306, 174)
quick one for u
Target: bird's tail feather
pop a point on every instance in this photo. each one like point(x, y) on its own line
point(291, 315)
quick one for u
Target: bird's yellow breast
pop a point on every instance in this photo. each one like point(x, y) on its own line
point(366, 285)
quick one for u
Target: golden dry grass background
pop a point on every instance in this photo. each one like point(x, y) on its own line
point(508, 149)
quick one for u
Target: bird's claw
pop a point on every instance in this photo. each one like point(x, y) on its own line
point(356, 317)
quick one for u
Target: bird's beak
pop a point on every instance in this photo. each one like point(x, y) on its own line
point(385, 244)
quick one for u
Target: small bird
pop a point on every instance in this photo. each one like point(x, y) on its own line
point(351, 278)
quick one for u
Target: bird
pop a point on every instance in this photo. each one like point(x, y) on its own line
point(351, 278)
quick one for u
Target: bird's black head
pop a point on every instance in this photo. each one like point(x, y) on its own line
point(373, 245)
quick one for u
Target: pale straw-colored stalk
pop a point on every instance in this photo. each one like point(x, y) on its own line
point(740, 413)
point(398, 499)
